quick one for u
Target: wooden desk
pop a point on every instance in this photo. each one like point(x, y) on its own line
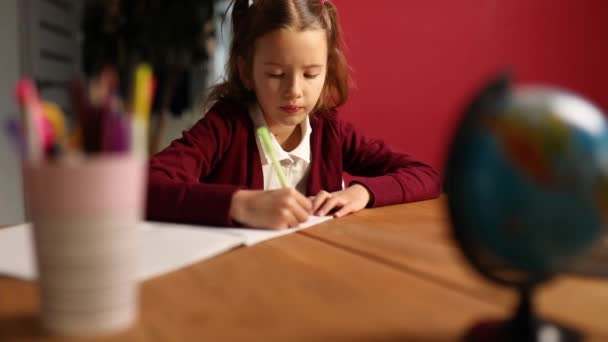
point(383, 274)
point(416, 239)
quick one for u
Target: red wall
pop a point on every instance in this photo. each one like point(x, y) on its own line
point(416, 64)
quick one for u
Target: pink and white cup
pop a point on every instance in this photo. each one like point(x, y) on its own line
point(85, 215)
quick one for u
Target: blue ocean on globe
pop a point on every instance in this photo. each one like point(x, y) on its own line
point(536, 175)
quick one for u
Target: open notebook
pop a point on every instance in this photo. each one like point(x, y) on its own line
point(164, 247)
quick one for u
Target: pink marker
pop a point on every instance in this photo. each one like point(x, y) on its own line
point(38, 130)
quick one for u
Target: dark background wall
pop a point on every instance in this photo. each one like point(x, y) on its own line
point(417, 63)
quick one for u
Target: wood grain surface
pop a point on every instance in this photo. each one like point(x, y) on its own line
point(386, 274)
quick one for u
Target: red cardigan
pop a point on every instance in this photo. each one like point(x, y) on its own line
point(193, 179)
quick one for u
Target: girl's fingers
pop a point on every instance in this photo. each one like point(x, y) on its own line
point(321, 197)
point(345, 210)
point(328, 206)
point(292, 221)
point(304, 202)
point(287, 219)
point(300, 213)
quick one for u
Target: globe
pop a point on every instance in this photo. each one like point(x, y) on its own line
point(527, 180)
point(527, 184)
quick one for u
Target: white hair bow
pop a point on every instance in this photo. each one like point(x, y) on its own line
point(250, 3)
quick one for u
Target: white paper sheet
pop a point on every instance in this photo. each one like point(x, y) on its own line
point(16, 253)
point(163, 248)
point(253, 236)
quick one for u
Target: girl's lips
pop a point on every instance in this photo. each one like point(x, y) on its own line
point(290, 109)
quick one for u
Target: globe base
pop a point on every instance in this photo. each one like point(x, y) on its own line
point(543, 331)
point(524, 326)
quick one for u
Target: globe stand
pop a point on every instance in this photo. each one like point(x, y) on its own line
point(525, 326)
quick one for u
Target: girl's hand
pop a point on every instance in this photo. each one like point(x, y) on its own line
point(349, 200)
point(276, 209)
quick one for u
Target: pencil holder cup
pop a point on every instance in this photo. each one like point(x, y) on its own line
point(84, 216)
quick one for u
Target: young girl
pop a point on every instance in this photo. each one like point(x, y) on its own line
point(286, 71)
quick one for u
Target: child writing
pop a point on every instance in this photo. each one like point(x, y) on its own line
point(286, 71)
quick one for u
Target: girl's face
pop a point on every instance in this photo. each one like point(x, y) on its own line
point(289, 69)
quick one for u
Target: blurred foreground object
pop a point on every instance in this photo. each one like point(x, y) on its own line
point(527, 177)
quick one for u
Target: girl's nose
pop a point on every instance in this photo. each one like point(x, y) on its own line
point(293, 88)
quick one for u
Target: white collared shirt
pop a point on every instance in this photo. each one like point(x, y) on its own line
point(295, 164)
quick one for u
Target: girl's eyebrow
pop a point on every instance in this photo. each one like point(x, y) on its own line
point(273, 64)
point(305, 67)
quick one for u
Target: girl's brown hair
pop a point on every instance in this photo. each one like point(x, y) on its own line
point(263, 16)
